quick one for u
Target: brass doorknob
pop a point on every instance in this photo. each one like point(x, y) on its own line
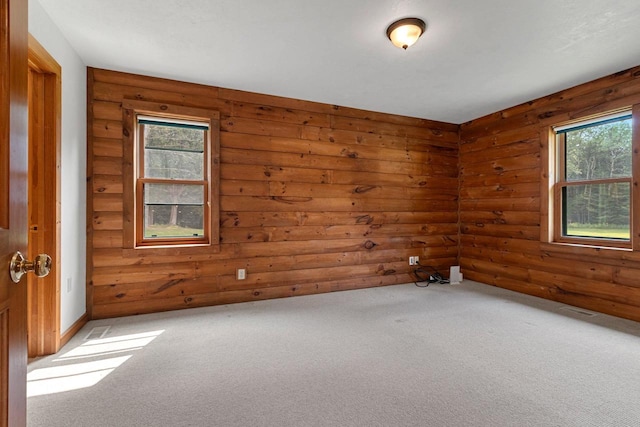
point(41, 266)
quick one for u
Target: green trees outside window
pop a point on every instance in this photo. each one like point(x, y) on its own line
point(595, 174)
point(174, 183)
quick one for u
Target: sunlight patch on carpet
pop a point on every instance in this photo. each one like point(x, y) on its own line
point(75, 375)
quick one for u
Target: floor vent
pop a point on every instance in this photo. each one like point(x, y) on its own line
point(97, 333)
point(579, 311)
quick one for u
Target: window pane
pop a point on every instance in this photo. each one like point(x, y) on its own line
point(600, 151)
point(172, 210)
point(173, 152)
point(597, 210)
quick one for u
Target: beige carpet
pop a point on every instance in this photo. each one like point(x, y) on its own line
point(446, 355)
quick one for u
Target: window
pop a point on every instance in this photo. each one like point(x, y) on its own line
point(173, 156)
point(592, 196)
point(172, 182)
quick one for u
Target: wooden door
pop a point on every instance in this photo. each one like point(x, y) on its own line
point(13, 209)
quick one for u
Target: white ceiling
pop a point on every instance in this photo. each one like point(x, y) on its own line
point(476, 57)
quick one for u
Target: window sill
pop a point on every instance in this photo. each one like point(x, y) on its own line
point(171, 250)
point(592, 252)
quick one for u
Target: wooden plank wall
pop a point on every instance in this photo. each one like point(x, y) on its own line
point(314, 198)
point(501, 159)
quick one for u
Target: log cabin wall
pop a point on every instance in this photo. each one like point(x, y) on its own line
point(313, 198)
point(503, 217)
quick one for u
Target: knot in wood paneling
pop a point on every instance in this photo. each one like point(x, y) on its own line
point(370, 244)
point(361, 189)
point(364, 219)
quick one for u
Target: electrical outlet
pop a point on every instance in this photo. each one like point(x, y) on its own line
point(416, 260)
point(241, 274)
point(413, 260)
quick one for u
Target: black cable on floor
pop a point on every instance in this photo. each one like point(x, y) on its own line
point(428, 274)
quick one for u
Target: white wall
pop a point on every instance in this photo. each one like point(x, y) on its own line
point(73, 166)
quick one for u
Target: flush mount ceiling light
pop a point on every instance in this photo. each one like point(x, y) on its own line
point(405, 32)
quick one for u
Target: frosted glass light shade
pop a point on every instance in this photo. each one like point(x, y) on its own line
point(405, 32)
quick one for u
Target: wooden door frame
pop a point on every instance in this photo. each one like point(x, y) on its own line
point(45, 90)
